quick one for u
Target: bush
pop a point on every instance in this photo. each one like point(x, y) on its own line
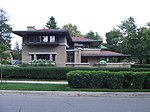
point(140, 66)
point(35, 73)
point(58, 73)
point(114, 80)
point(146, 84)
point(107, 79)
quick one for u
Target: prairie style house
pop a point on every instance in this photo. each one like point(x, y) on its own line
point(66, 51)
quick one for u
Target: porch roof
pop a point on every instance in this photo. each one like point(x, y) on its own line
point(86, 40)
point(99, 53)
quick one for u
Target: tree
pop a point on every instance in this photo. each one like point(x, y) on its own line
point(5, 31)
point(92, 35)
point(133, 40)
point(73, 30)
point(51, 24)
point(17, 52)
point(113, 39)
point(142, 45)
point(17, 48)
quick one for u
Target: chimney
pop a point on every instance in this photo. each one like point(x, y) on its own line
point(30, 28)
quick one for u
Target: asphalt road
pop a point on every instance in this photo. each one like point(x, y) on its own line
point(44, 103)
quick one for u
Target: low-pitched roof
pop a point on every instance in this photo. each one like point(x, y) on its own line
point(86, 40)
point(44, 31)
point(99, 53)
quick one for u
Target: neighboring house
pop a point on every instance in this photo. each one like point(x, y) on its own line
point(57, 45)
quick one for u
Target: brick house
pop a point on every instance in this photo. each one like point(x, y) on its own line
point(57, 45)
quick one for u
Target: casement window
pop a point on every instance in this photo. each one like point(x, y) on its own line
point(32, 39)
point(70, 56)
point(84, 60)
point(43, 56)
point(45, 39)
point(52, 39)
point(38, 39)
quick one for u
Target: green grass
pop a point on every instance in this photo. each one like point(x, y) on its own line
point(59, 87)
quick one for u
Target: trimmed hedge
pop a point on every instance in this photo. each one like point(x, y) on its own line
point(53, 73)
point(107, 79)
point(140, 66)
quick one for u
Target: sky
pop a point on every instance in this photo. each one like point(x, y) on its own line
point(97, 15)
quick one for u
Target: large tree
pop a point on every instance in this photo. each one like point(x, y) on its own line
point(92, 35)
point(73, 30)
point(114, 40)
point(5, 31)
point(51, 24)
point(142, 45)
point(134, 41)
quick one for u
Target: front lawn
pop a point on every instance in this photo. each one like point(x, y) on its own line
point(59, 87)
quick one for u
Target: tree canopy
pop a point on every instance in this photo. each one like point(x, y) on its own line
point(130, 39)
point(51, 24)
point(92, 35)
point(73, 30)
point(5, 31)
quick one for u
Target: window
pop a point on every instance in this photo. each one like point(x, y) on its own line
point(70, 56)
point(84, 60)
point(53, 57)
point(52, 39)
point(45, 38)
point(31, 38)
point(38, 39)
point(32, 56)
point(43, 56)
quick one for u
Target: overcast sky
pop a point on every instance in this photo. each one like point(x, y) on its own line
point(97, 15)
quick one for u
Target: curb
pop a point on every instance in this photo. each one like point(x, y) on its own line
point(38, 82)
point(77, 94)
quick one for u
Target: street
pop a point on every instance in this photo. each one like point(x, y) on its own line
point(45, 103)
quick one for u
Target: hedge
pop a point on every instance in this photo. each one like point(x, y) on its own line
point(54, 73)
point(140, 66)
point(107, 79)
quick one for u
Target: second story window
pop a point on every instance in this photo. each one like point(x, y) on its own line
point(42, 39)
point(45, 38)
point(52, 39)
point(32, 39)
point(38, 39)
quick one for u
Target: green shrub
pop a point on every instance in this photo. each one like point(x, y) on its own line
point(107, 79)
point(138, 80)
point(35, 73)
point(140, 66)
point(78, 79)
point(146, 84)
point(114, 80)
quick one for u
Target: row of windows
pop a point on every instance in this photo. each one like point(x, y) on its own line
point(70, 57)
point(43, 56)
point(40, 39)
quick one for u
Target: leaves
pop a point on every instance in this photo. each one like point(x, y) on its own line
point(134, 41)
point(5, 30)
point(73, 30)
point(51, 24)
point(92, 35)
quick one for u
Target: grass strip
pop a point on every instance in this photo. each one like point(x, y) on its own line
point(60, 87)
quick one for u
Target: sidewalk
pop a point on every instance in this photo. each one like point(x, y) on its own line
point(78, 94)
point(37, 82)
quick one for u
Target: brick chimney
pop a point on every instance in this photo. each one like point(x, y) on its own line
point(29, 28)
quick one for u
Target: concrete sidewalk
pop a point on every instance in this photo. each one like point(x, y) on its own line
point(77, 93)
point(37, 82)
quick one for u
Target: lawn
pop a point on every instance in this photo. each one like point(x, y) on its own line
point(59, 87)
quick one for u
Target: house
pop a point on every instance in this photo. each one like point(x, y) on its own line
point(66, 51)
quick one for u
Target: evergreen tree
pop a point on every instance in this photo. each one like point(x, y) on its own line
point(5, 31)
point(51, 24)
